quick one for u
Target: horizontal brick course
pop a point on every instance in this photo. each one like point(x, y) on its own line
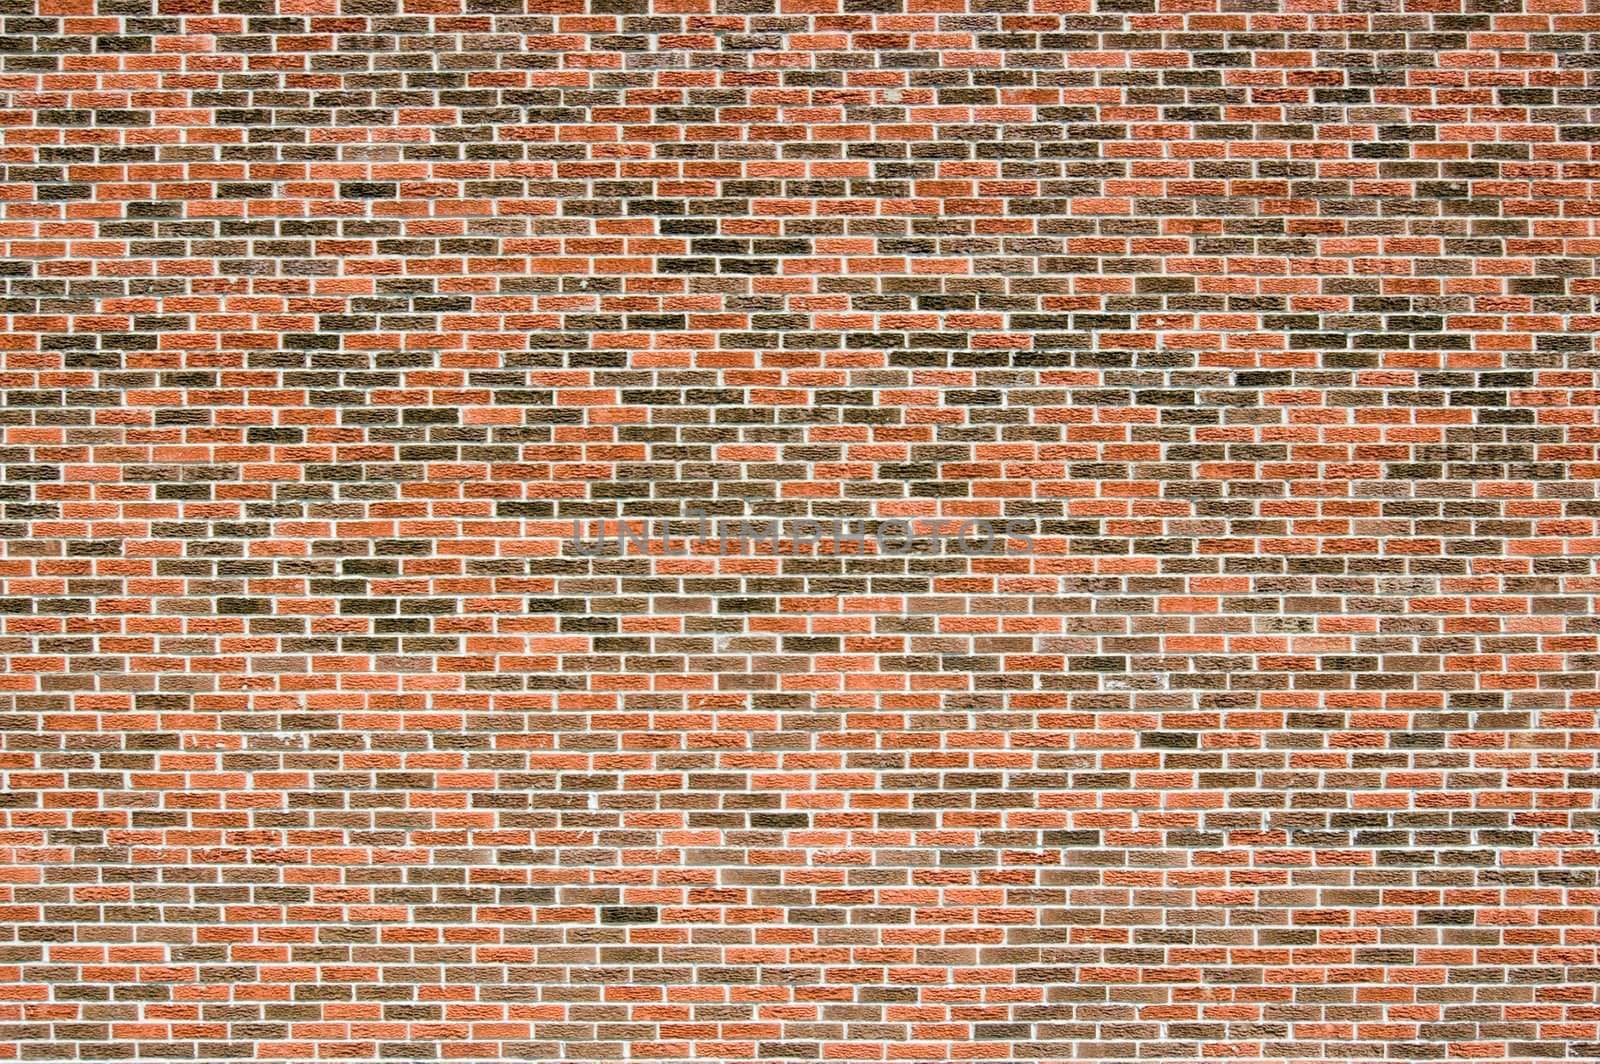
point(799, 530)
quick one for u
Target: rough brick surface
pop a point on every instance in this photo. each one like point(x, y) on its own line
point(1228, 365)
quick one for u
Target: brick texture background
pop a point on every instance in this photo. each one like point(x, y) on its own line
point(1260, 333)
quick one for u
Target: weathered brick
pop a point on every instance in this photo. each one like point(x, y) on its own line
point(848, 530)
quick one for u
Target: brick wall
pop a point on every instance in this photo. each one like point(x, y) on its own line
point(1112, 495)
